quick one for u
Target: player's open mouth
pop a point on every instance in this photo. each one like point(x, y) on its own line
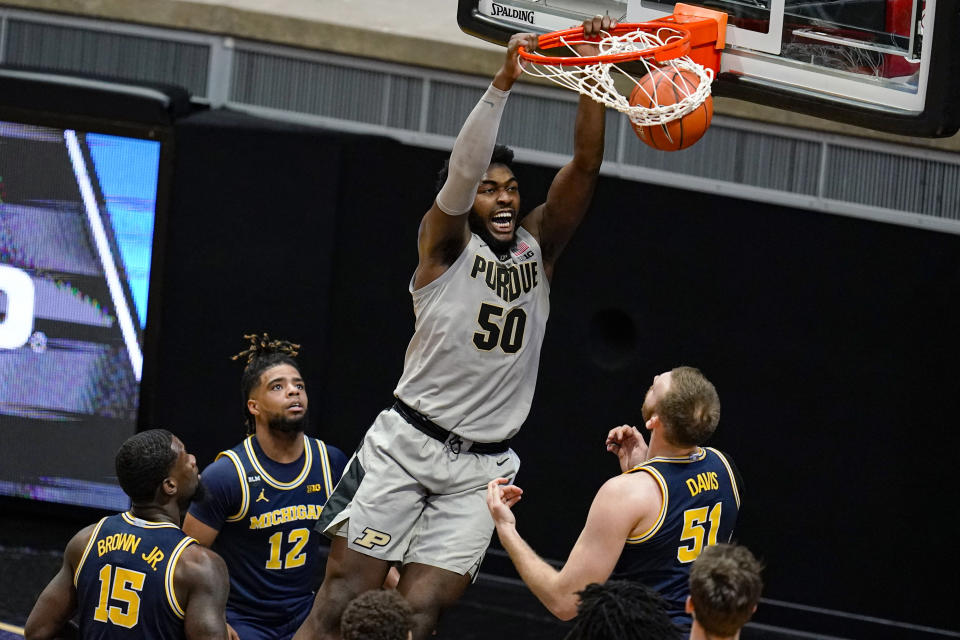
point(296, 406)
point(502, 221)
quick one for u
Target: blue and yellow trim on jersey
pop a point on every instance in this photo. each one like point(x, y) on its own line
point(86, 550)
point(168, 576)
point(244, 488)
point(238, 465)
point(733, 478)
point(131, 519)
point(270, 480)
point(697, 456)
point(325, 465)
point(646, 535)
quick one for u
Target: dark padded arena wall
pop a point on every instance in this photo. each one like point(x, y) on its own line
point(305, 233)
point(832, 344)
point(831, 341)
point(249, 239)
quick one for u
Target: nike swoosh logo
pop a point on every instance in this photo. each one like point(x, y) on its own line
point(500, 462)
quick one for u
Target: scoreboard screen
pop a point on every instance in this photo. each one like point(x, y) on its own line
point(77, 219)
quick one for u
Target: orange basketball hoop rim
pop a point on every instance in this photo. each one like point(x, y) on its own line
point(699, 34)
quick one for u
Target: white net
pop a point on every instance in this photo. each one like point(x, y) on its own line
point(664, 92)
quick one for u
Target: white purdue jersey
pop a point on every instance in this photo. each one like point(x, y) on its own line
point(471, 366)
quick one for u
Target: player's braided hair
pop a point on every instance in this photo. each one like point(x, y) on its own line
point(143, 462)
point(622, 610)
point(262, 354)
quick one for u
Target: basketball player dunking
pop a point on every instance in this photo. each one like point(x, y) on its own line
point(414, 492)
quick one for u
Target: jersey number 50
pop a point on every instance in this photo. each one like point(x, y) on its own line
point(508, 333)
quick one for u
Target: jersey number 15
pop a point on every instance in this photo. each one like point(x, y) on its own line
point(121, 586)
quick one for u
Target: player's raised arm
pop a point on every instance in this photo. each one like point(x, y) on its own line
point(628, 445)
point(444, 230)
point(617, 509)
point(58, 600)
point(201, 576)
point(554, 222)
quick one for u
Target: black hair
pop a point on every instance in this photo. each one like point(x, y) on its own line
point(262, 354)
point(143, 462)
point(380, 614)
point(622, 610)
point(502, 154)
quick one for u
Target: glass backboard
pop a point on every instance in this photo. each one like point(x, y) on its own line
point(882, 64)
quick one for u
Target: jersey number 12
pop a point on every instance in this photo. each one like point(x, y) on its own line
point(295, 556)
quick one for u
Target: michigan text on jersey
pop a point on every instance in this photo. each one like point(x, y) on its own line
point(286, 514)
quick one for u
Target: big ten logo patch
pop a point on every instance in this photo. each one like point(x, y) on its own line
point(371, 538)
point(314, 488)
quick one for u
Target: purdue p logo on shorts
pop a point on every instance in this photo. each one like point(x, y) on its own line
point(372, 538)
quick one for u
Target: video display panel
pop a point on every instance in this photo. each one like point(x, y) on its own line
point(77, 220)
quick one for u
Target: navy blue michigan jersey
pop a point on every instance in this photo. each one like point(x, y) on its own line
point(265, 512)
point(124, 580)
point(701, 499)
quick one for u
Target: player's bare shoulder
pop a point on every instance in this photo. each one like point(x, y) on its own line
point(624, 504)
point(631, 500)
point(532, 222)
point(440, 241)
point(200, 568)
point(82, 537)
point(78, 543)
point(637, 487)
point(202, 585)
point(538, 224)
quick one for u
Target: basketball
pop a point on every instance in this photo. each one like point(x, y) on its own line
point(671, 86)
